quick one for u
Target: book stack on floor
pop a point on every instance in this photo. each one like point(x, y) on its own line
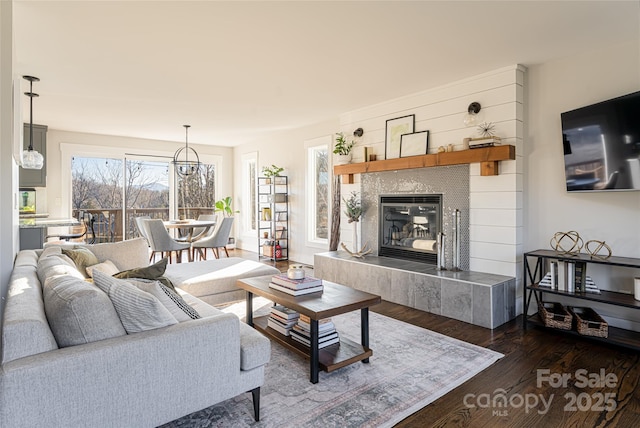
point(296, 287)
point(327, 334)
point(282, 319)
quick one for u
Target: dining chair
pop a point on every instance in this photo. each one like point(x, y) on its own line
point(140, 225)
point(161, 242)
point(218, 239)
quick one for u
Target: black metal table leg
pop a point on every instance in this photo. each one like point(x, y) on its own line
point(364, 329)
point(250, 308)
point(313, 364)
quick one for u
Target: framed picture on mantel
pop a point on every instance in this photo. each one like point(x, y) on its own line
point(414, 144)
point(394, 130)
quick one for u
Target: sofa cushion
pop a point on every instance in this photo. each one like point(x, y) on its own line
point(82, 257)
point(208, 277)
point(78, 312)
point(106, 267)
point(55, 265)
point(255, 349)
point(127, 254)
point(169, 299)
point(25, 330)
point(154, 271)
point(137, 309)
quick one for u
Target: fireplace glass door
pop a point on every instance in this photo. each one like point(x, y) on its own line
point(409, 226)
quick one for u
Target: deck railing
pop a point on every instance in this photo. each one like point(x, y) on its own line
point(108, 222)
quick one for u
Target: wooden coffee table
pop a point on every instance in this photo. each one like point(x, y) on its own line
point(335, 299)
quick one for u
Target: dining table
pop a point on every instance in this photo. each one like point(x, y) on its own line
point(187, 226)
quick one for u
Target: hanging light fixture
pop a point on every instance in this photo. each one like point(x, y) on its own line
point(31, 159)
point(184, 165)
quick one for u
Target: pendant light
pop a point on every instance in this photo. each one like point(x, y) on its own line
point(184, 165)
point(31, 159)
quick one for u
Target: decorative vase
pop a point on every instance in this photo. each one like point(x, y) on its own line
point(343, 159)
point(355, 235)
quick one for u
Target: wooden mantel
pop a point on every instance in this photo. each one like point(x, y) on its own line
point(488, 157)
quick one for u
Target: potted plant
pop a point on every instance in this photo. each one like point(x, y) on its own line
point(271, 171)
point(342, 149)
point(224, 206)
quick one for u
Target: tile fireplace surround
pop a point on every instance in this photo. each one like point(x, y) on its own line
point(482, 299)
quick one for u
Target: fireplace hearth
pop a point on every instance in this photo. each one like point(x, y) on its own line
point(408, 226)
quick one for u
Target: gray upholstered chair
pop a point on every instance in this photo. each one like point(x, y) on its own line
point(140, 226)
point(218, 239)
point(161, 242)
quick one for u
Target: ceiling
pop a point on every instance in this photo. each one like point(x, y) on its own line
point(237, 70)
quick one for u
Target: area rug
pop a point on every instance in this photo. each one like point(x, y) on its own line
point(410, 368)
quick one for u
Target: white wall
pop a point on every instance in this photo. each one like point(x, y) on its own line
point(556, 87)
point(613, 217)
point(8, 168)
point(285, 150)
point(495, 214)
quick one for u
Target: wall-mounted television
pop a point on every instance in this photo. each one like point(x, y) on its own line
point(602, 145)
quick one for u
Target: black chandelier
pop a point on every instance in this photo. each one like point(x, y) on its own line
point(31, 159)
point(184, 165)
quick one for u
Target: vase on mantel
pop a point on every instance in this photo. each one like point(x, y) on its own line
point(342, 159)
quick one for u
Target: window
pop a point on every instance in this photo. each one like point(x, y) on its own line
point(249, 188)
point(318, 190)
point(96, 192)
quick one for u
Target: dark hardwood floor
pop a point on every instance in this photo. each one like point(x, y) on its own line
point(587, 399)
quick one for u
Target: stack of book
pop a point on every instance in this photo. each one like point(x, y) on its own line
point(282, 319)
point(327, 334)
point(296, 287)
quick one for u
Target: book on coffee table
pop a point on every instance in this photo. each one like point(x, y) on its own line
point(296, 284)
point(296, 292)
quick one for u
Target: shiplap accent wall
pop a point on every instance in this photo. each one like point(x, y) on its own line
point(496, 202)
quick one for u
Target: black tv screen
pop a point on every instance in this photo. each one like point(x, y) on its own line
point(602, 145)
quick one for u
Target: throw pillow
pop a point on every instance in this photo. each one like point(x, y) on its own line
point(173, 302)
point(82, 257)
point(107, 267)
point(124, 254)
point(78, 312)
point(137, 309)
point(154, 271)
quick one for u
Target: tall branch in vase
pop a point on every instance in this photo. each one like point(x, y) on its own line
point(353, 211)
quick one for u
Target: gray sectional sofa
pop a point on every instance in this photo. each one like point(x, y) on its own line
point(62, 366)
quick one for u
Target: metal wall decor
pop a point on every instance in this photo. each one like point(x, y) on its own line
point(31, 159)
point(186, 159)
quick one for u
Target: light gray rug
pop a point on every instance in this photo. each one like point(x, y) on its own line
point(410, 368)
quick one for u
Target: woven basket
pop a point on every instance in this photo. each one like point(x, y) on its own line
point(553, 314)
point(588, 322)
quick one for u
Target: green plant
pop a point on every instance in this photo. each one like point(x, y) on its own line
point(271, 171)
point(353, 207)
point(342, 147)
point(224, 206)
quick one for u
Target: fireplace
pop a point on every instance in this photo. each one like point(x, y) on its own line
point(408, 226)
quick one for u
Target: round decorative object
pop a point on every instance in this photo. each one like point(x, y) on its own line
point(598, 251)
point(295, 272)
point(567, 242)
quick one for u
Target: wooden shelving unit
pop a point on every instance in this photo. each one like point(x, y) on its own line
point(488, 157)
